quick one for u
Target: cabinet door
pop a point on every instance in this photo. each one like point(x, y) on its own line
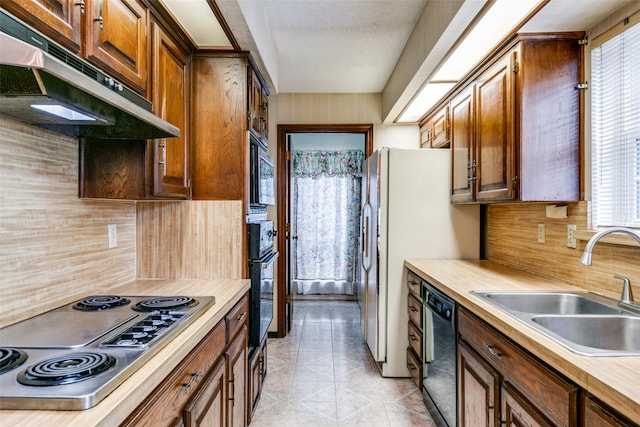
point(495, 132)
point(462, 144)
point(236, 358)
point(60, 20)
point(516, 411)
point(257, 374)
point(116, 40)
point(598, 415)
point(255, 101)
point(170, 94)
point(208, 405)
point(441, 129)
point(478, 387)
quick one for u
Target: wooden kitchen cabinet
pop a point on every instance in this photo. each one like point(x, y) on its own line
point(434, 130)
point(60, 20)
point(208, 406)
point(462, 143)
point(117, 40)
point(415, 330)
point(597, 414)
point(530, 393)
point(236, 359)
point(515, 123)
point(256, 377)
point(220, 125)
point(111, 34)
point(258, 106)
point(170, 96)
point(478, 389)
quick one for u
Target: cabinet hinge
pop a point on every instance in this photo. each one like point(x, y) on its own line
point(287, 155)
point(581, 86)
point(516, 65)
point(584, 41)
point(514, 182)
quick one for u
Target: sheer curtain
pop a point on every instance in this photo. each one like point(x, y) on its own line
point(326, 204)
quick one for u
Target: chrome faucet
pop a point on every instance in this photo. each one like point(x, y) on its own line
point(585, 259)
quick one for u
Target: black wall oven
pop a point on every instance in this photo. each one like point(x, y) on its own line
point(261, 260)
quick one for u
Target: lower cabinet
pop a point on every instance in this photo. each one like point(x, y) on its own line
point(500, 383)
point(236, 357)
point(209, 387)
point(597, 414)
point(257, 375)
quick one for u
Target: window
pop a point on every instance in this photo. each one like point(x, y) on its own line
point(615, 127)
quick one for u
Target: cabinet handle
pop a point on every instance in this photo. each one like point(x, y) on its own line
point(242, 316)
point(194, 376)
point(81, 4)
point(99, 19)
point(413, 308)
point(413, 337)
point(493, 352)
point(412, 367)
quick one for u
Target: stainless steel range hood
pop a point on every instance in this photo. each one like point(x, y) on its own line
point(36, 73)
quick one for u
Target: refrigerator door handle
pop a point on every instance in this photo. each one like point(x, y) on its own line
point(366, 235)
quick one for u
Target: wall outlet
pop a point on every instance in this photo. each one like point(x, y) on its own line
point(571, 239)
point(112, 232)
point(540, 233)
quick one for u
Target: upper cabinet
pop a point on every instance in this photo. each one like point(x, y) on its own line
point(258, 106)
point(117, 39)
point(515, 123)
point(435, 130)
point(170, 97)
point(227, 104)
point(60, 20)
point(115, 36)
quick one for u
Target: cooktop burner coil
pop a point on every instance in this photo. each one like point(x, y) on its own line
point(100, 302)
point(11, 358)
point(166, 303)
point(66, 369)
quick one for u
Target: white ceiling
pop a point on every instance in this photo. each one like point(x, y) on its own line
point(350, 46)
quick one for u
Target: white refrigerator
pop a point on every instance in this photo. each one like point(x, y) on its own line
point(407, 214)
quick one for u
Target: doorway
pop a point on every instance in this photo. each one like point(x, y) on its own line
point(296, 275)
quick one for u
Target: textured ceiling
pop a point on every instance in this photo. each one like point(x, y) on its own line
point(338, 45)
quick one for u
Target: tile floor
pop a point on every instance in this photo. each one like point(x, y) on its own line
point(322, 374)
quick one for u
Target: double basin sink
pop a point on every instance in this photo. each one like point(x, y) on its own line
point(584, 322)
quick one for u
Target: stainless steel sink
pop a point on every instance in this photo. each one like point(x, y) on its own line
point(551, 302)
point(600, 334)
point(584, 322)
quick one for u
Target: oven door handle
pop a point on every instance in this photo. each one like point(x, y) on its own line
point(269, 259)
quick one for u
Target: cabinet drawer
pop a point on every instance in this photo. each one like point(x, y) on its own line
point(169, 398)
point(413, 282)
point(556, 397)
point(414, 307)
point(415, 339)
point(415, 367)
point(237, 317)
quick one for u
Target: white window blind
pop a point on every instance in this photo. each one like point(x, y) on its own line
point(615, 125)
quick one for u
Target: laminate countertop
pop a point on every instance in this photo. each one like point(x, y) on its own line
point(125, 398)
point(614, 380)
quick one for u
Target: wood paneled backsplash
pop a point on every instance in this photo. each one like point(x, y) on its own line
point(53, 245)
point(513, 240)
point(190, 240)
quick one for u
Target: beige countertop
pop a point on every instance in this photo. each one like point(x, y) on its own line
point(614, 380)
point(124, 399)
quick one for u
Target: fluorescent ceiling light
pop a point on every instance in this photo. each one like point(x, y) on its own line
point(495, 24)
point(427, 98)
point(63, 112)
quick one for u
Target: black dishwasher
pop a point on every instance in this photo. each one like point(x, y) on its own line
point(439, 384)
